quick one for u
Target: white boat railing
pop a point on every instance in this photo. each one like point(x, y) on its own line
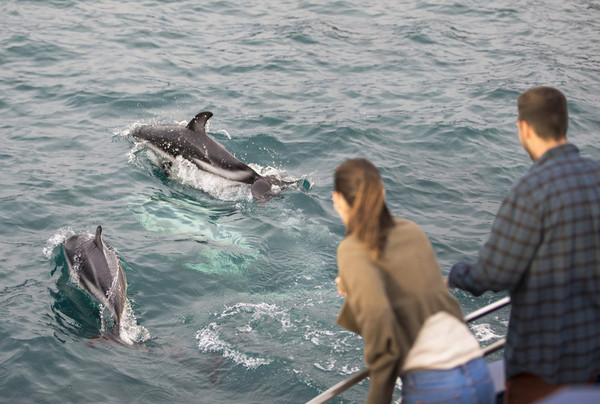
point(356, 378)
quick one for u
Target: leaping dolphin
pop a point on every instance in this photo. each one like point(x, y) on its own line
point(193, 144)
point(95, 267)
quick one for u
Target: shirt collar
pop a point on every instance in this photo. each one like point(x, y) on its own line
point(562, 150)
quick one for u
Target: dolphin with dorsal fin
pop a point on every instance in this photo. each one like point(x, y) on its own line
point(96, 269)
point(193, 144)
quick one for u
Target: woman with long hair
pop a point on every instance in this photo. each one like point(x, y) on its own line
point(397, 301)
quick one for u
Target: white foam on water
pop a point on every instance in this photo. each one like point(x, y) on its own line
point(210, 341)
point(483, 332)
point(55, 240)
point(271, 171)
point(316, 336)
point(327, 367)
point(134, 151)
point(130, 331)
point(243, 318)
point(259, 311)
point(349, 370)
point(125, 132)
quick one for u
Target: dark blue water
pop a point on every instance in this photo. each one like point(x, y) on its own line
point(232, 300)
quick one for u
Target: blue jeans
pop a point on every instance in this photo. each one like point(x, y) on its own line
point(469, 383)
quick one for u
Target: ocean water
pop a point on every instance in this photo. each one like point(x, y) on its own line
point(233, 300)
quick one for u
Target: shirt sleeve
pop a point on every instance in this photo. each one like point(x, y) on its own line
point(368, 305)
point(505, 258)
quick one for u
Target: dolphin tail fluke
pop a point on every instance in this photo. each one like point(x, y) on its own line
point(198, 123)
point(98, 238)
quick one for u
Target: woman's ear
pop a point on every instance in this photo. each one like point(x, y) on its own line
point(337, 200)
point(341, 206)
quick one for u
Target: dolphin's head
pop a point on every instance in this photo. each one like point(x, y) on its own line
point(261, 190)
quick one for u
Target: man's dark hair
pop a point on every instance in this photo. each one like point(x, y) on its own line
point(545, 110)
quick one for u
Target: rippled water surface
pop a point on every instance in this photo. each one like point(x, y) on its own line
point(237, 297)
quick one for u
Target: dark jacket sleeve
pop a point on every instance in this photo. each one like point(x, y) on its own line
point(506, 256)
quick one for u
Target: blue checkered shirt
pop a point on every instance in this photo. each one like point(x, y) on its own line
point(544, 249)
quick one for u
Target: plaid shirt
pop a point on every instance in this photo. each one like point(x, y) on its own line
point(544, 249)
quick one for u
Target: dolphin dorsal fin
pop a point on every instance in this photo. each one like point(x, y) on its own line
point(98, 238)
point(198, 123)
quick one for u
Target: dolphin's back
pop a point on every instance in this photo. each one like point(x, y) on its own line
point(97, 270)
point(193, 144)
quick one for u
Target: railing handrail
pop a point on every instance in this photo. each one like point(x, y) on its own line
point(356, 378)
point(342, 386)
point(498, 304)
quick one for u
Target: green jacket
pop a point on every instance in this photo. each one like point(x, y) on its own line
point(389, 299)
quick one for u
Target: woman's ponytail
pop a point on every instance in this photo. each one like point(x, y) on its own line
point(369, 220)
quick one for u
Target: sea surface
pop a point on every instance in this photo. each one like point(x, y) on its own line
point(232, 300)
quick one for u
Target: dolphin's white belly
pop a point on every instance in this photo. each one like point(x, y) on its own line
point(233, 175)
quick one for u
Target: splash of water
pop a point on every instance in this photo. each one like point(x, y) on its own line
point(483, 332)
point(209, 341)
point(130, 331)
point(55, 240)
point(218, 187)
point(259, 311)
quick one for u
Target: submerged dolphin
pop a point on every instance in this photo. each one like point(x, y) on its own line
point(193, 144)
point(97, 270)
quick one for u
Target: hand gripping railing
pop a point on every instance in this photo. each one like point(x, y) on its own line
point(356, 378)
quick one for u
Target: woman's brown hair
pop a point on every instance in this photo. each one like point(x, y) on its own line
point(361, 186)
